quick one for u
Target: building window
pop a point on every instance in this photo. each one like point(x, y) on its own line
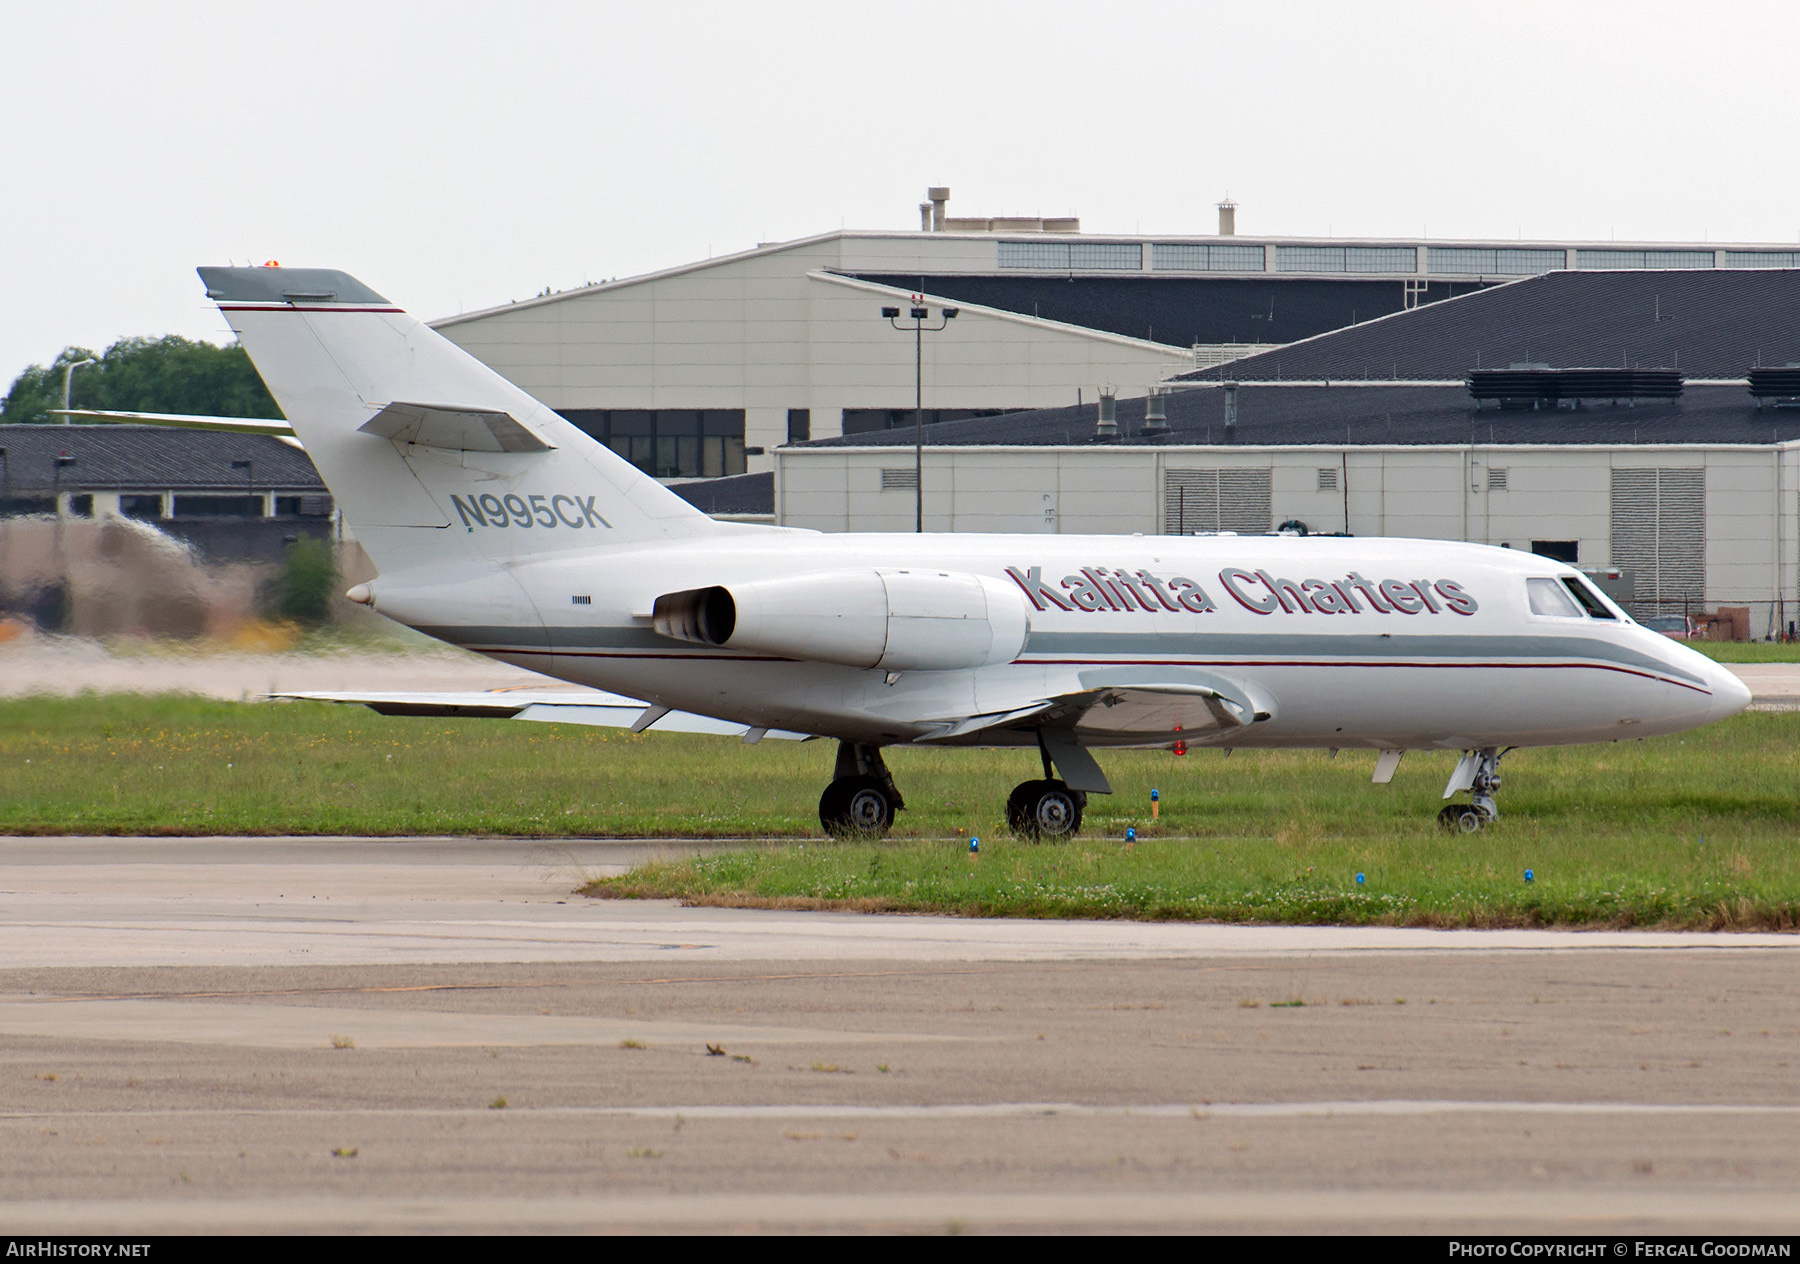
point(1558, 550)
point(669, 442)
point(1067, 256)
point(799, 425)
point(81, 505)
point(1480, 261)
point(134, 505)
point(303, 506)
point(1184, 256)
point(1762, 259)
point(1347, 258)
point(1643, 258)
point(218, 506)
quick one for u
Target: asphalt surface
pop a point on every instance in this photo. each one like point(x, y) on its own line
point(331, 1035)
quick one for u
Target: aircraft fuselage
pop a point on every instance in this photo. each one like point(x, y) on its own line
point(1338, 642)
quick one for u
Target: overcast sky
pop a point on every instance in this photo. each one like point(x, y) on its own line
point(456, 155)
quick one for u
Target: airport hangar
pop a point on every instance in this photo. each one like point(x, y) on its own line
point(703, 370)
point(1657, 434)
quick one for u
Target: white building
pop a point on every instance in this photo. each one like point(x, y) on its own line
point(1695, 525)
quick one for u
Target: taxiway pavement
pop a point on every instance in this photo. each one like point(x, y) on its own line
point(291, 1035)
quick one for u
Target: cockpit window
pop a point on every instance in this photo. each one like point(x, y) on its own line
point(1589, 599)
point(1551, 598)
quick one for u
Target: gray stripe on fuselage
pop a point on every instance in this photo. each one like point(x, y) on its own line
point(1275, 645)
point(1212, 646)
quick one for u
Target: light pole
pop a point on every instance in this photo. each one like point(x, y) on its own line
point(68, 372)
point(919, 315)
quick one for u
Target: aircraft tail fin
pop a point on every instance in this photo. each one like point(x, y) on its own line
point(431, 455)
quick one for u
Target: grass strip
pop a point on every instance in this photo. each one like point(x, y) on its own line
point(1693, 831)
point(1430, 882)
point(1748, 651)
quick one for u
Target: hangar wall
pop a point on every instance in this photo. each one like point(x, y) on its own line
point(1733, 528)
point(773, 331)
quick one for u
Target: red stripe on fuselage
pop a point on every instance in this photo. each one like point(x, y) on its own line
point(696, 654)
point(1197, 662)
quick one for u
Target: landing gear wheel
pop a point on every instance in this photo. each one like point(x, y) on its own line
point(1478, 772)
point(1462, 818)
point(1045, 809)
point(856, 807)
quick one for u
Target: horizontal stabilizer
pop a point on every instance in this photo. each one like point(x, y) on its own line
point(556, 706)
point(455, 429)
point(230, 425)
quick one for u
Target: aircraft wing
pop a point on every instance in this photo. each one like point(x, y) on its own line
point(555, 706)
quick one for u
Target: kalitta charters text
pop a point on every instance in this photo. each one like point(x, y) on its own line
point(1099, 588)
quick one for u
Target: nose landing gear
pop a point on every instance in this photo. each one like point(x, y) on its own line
point(1478, 772)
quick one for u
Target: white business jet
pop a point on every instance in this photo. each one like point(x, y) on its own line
point(500, 527)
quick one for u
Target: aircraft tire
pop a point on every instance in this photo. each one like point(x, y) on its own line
point(856, 807)
point(1040, 810)
point(1462, 818)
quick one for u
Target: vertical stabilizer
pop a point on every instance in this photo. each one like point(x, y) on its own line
point(431, 455)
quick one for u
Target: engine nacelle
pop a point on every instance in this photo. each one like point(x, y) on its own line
point(891, 618)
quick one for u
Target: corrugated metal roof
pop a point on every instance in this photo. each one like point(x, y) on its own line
point(1182, 311)
point(148, 458)
point(735, 494)
point(1707, 323)
point(1350, 413)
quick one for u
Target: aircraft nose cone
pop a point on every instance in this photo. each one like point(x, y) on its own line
point(1730, 695)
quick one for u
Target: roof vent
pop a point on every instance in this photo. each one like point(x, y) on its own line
point(1536, 386)
point(939, 195)
point(1156, 411)
point(1781, 386)
point(1107, 427)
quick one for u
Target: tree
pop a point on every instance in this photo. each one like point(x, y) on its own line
point(309, 576)
point(144, 375)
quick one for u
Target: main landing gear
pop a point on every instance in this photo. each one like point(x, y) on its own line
point(1478, 772)
point(1047, 808)
point(861, 800)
